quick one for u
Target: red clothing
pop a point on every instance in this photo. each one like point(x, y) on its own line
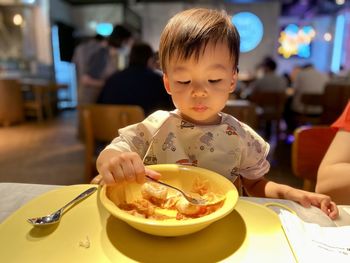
point(343, 122)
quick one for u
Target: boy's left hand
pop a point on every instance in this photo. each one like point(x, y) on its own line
point(321, 201)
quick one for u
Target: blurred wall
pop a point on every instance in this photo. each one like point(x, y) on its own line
point(156, 15)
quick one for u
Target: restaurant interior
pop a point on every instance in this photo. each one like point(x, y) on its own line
point(38, 91)
point(54, 209)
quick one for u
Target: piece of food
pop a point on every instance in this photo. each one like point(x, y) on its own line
point(156, 204)
point(186, 208)
point(155, 193)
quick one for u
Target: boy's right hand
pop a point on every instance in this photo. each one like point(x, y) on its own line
point(125, 167)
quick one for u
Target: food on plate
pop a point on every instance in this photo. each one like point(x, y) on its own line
point(157, 202)
point(155, 193)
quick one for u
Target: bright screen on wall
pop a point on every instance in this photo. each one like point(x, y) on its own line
point(250, 29)
point(295, 41)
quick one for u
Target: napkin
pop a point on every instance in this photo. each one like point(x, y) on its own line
point(313, 243)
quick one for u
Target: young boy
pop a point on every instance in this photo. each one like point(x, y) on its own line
point(199, 51)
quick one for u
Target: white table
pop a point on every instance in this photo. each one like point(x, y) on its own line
point(15, 195)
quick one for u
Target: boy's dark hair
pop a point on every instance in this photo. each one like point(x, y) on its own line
point(188, 32)
point(118, 36)
point(140, 54)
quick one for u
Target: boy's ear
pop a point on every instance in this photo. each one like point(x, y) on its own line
point(166, 83)
point(233, 81)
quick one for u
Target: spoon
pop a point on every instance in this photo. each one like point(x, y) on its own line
point(56, 216)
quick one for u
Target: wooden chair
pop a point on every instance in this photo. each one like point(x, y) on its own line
point(11, 103)
point(336, 96)
point(272, 104)
point(101, 124)
point(243, 110)
point(310, 100)
point(40, 100)
point(308, 149)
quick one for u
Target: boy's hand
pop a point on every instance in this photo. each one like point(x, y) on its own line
point(125, 167)
point(321, 201)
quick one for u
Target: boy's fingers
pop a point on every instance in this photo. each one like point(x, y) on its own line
point(333, 211)
point(108, 177)
point(153, 174)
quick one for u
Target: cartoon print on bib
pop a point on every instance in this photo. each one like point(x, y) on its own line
point(207, 139)
point(169, 142)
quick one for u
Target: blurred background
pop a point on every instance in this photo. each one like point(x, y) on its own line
point(38, 39)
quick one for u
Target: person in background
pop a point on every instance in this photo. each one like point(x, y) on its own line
point(333, 176)
point(103, 63)
point(138, 84)
point(311, 81)
point(84, 51)
point(305, 80)
point(269, 81)
point(100, 65)
point(199, 53)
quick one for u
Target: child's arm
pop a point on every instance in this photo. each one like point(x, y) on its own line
point(119, 167)
point(264, 188)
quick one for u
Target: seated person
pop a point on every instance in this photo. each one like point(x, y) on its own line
point(138, 84)
point(269, 81)
point(333, 176)
point(199, 61)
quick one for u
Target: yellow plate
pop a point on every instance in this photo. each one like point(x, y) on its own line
point(251, 233)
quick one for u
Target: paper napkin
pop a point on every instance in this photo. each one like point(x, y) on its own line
point(313, 243)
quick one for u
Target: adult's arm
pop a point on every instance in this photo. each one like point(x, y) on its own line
point(333, 176)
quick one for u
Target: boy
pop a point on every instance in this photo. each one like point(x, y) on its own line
point(199, 51)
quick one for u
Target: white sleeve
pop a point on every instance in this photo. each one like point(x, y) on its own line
point(254, 153)
point(137, 137)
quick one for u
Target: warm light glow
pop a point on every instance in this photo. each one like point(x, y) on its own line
point(295, 41)
point(340, 2)
point(17, 19)
point(327, 36)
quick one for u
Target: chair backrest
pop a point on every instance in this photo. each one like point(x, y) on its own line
point(308, 149)
point(101, 123)
point(272, 103)
point(335, 98)
point(11, 102)
point(245, 112)
point(310, 99)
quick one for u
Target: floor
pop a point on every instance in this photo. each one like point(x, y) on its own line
point(47, 153)
point(50, 153)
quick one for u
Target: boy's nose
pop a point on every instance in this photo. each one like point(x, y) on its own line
point(198, 90)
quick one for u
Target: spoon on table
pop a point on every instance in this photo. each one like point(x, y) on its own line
point(56, 216)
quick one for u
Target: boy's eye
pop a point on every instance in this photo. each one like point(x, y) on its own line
point(214, 80)
point(184, 82)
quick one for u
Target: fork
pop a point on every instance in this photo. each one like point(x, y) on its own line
point(192, 200)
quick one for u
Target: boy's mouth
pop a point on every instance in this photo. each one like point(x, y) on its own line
point(200, 108)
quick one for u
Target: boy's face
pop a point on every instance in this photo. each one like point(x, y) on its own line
point(200, 88)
